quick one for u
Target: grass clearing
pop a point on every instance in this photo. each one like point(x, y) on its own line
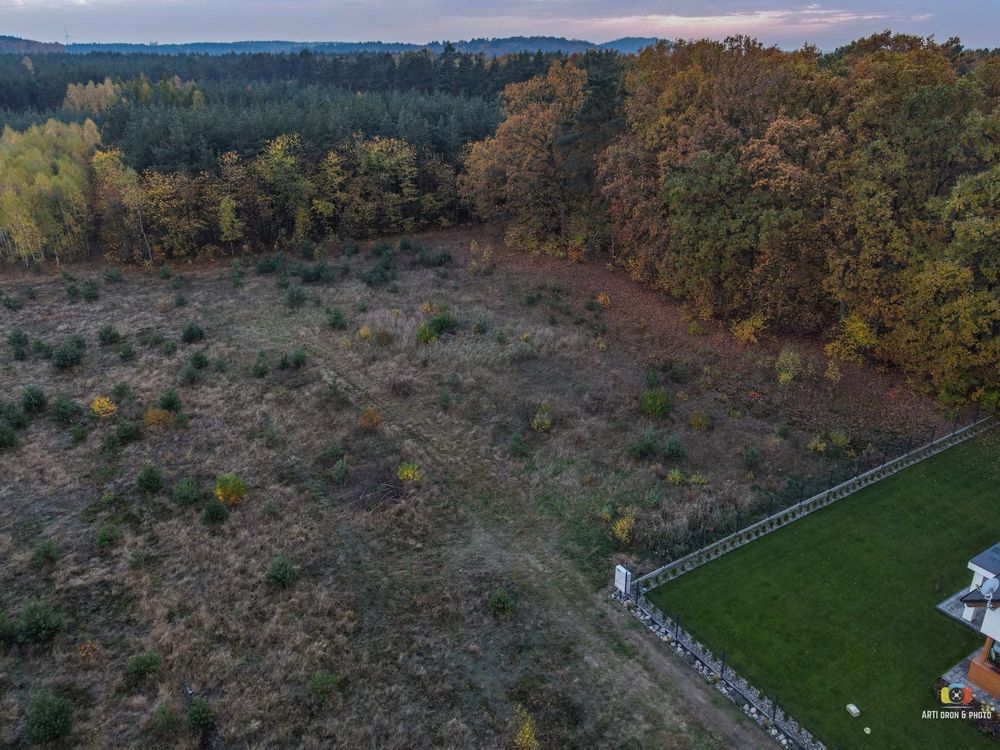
point(838, 607)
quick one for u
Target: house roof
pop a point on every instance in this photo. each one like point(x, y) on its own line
point(988, 560)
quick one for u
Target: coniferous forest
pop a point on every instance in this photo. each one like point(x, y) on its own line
point(851, 196)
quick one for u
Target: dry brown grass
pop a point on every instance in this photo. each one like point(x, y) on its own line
point(393, 577)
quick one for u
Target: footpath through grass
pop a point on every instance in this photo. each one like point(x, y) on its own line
point(838, 607)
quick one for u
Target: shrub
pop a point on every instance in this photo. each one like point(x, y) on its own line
point(17, 339)
point(15, 416)
point(103, 407)
point(169, 399)
point(501, 603)
point(271, 264)
point(189, 375)
point(186, 491)
point(673, 448)
point(280, 573)
point(8, 438)
point(788, 365)
point(817, 445)
point(126, 352)
point(230, 489)
point(334, 450)
point(168, 348)
point(542, 421)
point(68, 354)
point(655, 402)
point(752, 458)
point(89, 290)
point(142, 667)
point(260, 366)
point(166, 722)
point(294, 297)
point(121, 392)
point(191, 333)
point(33, 400)
point(107, 535)
point(335, 319)
point(49, 718)
point(66, 412)
point(840, 439)
point(199, 715)
point(424, 334)
point(157, 419)
point(44, 554)
point(297, 360)
point(700, 421)
point(165, 272)
point(645, 447)
point(127, 431)
point(748, 330)
point(675, 477)
point(408, 472)
point(340, 471)
point(214, 512)
point(518, 447)
point(198, 360)
point(150, 479)
point(38, 622)
point(526, 735)
point(695, 328)
point(78, 432)
point(370, 419)
point(180, 300)
point(108, 335)
point(73, 291)
point(384, 270)
point(322, 684)
point(113, 276)
point(621, 529)
point(699, 480)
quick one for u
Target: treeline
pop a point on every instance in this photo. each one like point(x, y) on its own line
point(62, 194)
point(854, 195)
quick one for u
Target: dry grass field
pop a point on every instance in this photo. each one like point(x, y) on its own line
point(444, 455)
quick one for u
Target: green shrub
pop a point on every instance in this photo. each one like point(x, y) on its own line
point(15, 416)
point(334, 451)
point(113, 276)
point(142, 667)
point(199, 715)
point(169, 399)
point(198, 360)
point(73, 291)
point(33, 400)
point(8, 631)
point(11, 303)
point(645, 447)
point(38, 622)
point(8, 438)
point(107, 535)
point(89, 290)
point(17, 339)
point(214, 512)
point(49, 718)
point(126, 352)
point(335, 319)
point(121, 393)
point(340, 471)
point(108, 335)
point(294, 297)
point(271, 264)
point(655, 402)
point(260, 366)
point(68, 354)
point(180, 300)
point(78, 432)
point(501, 603)
point(280, 573)
point(168, 348)
point(150, 479)
point(752, 458)
point(166, 722)
point(322, 684)
point(165, 272)
point(191, 333)
point(298, 359)
point(186, 491)
point(128, 431)
point(66, 412)
point(674, 448)
point(518, 447)
point(189, 375)
point(45, 553)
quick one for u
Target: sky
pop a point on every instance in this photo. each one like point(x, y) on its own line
point(782, 22)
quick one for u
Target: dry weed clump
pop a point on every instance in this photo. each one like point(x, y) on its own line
point(157, 419)
point(370, 419)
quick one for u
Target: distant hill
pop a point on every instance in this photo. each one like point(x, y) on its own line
point(490, 47)
point(15, 45)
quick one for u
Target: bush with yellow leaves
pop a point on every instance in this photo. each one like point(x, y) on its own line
point(103, 407)
point(525, 734)
point(621, 529)
point(542, 421)
point(408, 472)
point(230, 489)
point(365, 333)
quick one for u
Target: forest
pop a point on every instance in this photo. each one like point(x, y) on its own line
point(852, 196)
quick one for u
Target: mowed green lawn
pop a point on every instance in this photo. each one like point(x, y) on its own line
point(838, 607)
